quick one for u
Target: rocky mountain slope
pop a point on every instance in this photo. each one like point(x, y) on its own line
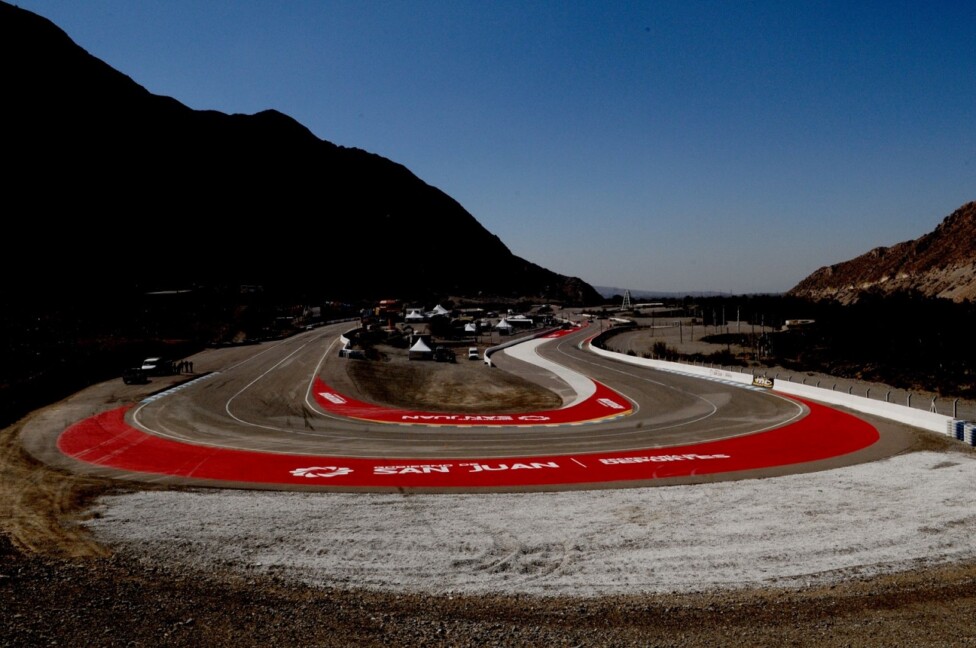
point(940, 264)
point(111, 186)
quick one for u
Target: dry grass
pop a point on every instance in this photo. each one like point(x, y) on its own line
point(39, 505)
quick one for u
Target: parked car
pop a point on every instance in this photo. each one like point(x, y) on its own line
point(135, 376)
point(157, 366)
point(473, 353)
point(443, 354)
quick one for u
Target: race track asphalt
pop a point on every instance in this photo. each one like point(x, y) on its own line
point(278, 415)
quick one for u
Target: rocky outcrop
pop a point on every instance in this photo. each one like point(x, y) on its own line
point(939, 264)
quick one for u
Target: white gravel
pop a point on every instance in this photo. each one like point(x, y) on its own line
point(902, 513)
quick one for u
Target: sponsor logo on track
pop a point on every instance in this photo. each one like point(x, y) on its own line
point(660, 458)
point(321, 471)
point(471, 418)
point(606, 402)
point(469, 467)
point(333, 398)
point(535, 465)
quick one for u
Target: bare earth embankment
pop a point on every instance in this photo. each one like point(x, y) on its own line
point(875, 555)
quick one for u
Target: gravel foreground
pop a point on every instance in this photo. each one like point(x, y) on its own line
point(816, 529)
point(879, 554)
point(874, 555)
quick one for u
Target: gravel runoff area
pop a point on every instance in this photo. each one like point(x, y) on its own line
point(899, 514)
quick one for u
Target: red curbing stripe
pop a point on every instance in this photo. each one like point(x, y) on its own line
point(107, 440)
point(604, 404)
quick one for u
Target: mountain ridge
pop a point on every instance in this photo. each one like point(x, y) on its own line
point(941, 263)
point(221, 198)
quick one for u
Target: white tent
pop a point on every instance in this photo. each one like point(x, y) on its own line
point(419, 350)
point(415, 315)
point(470, 327)
point(439, 310)
point(503, 326)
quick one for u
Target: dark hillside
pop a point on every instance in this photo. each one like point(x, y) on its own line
point(113, 186)
point(134, 222)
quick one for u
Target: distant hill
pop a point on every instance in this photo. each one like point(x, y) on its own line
point(939, 264)
point(109, 187)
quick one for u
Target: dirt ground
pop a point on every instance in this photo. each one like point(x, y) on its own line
point(463, 386)
point(59, 587)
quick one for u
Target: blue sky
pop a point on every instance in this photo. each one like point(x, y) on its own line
point(661, 146)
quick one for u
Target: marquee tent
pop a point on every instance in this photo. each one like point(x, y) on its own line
point(419, 351)
point(503, 326)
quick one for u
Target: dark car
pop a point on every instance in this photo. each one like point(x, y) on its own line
point(135, 376)
point(443, 354)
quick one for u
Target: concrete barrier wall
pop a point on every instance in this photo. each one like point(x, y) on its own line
point(715, 373)
point(346, 338)
point(902, 413)
point(931, 421)
point(518, 340)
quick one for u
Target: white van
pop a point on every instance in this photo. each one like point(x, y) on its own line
point(473, 353)
point(157, 366)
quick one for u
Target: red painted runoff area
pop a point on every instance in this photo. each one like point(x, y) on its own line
point(108, 440)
